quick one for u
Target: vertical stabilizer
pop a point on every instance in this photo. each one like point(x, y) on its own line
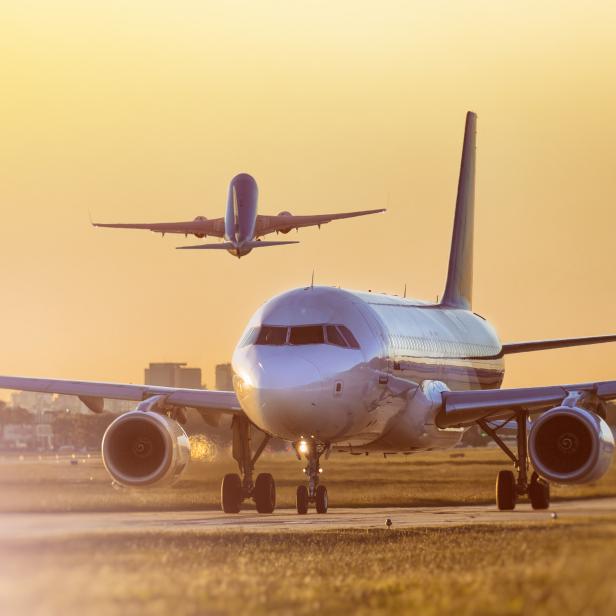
point(459, 287)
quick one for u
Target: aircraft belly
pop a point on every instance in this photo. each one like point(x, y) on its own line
point(405, 424)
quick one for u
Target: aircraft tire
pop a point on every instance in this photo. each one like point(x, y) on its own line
point(231, 493)
point(539, 492)
point(321, 499)
point(505, 491)
point(301, 500)
point(265, 493)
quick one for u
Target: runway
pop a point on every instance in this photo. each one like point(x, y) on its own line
point(24, 526)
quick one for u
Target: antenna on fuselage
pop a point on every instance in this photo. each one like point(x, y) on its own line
point(312, 279)
point(404, 290)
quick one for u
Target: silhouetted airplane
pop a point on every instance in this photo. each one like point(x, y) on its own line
point(242, 226)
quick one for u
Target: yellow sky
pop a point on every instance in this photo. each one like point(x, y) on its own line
point(144, 110)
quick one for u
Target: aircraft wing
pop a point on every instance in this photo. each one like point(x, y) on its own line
point(286, 222)
point(463, 408)
point(200, 226)
point(92, 394)
point(560, 343)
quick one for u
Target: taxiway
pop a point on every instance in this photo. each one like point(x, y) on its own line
point(57, 525)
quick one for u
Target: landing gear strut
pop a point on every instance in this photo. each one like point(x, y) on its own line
point(235, 488)
point(313, 492)
point(508, 486)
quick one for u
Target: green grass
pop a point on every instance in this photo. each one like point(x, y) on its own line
point(437, 478)
point(553, 567)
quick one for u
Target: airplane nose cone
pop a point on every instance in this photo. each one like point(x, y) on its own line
point(284, 394)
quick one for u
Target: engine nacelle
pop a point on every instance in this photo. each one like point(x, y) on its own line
point(200, 219)
point(142, 448)
point(568, 444)
point(284, 213)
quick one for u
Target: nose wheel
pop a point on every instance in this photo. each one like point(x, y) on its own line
point(320, 499)
point(313, 493)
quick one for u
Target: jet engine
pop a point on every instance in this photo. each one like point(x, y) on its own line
point(143, 448)
point(200, 219)
point(284, 214)
point(568, 444)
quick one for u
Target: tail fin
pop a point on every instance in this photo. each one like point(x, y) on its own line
point(459, 287)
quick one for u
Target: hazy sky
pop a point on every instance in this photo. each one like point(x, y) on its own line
point(144, 110)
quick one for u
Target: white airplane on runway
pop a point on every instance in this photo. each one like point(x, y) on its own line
point(334, 370)
point(241, 227)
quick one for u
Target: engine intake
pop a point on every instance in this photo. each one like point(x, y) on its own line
point(286, 230)
point(570, 445)
point(143, 448)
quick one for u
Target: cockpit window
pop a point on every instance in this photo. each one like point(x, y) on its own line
point(307, 334)
point(334, 336)
point(349, 337)
point(272, 335)
point(249, 337)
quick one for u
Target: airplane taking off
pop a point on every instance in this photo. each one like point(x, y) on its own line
point(334, 370)
point(241, 227)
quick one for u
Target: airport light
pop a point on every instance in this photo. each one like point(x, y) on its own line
point(303, 447)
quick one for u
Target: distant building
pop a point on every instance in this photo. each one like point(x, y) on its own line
point(224, 377)
point(33, 401)
point(173, 375)
point(68, 404)
point(27, 436)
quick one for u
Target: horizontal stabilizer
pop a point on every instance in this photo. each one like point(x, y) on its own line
point(230, 246)
point(561, 343)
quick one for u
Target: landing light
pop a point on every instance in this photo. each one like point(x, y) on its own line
point(303, 447)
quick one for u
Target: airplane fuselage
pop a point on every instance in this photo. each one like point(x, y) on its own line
point(333, 364)
point(241, 213)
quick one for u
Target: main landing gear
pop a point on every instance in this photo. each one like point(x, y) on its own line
point(313, 492)
point(509, 487)
point(235, 488)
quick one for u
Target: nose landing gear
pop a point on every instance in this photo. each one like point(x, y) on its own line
point(313, 492)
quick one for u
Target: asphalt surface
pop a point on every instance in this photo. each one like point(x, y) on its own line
point(57, 525)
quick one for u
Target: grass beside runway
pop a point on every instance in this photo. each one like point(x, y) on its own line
point(553, 567)
point(462, 476)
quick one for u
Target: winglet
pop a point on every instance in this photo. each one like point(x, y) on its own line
point(459, 288)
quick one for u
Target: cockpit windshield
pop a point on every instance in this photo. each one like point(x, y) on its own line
point(272, 335)
point(307, 334)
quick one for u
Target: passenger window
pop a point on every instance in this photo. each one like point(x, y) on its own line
point(307, 334)
point(334, 336)
point(349, 337)
point(272, 335)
